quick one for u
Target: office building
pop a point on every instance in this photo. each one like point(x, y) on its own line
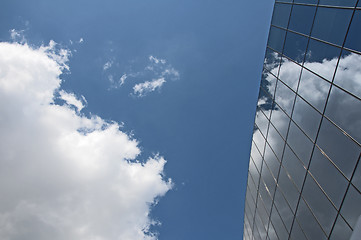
point(304, 178)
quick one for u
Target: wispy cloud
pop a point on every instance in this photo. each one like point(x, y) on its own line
point(141, 89)
point(155, 68)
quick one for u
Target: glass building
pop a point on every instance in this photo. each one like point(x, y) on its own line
point(304, 178)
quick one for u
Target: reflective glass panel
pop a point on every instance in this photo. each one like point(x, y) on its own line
point(331, 24)
point(284, 97)
point(281, 14)
point(314, 89)
point(306, 1)
point(288, 188)
point(261, 122)
point(330, 179)
point(308, 223)
point(280, 121)
point(260, 225)
point(268, 178)
point(272, 235)
point(254, 172)
point(290, 73)
point(256, 234)
point(344, 110)
point(341, 231)
point(276, 38)
point(272, 61)
point(275, 141)
point(351, 208)
point(319, 204)
point(295, 47)
point(302, 18)
point(306, 117)
point(348, 74)
point(297, 233)
point(346, 3)
point(272, 161)
point(294, 166)
point(340, 148)
point(300, 144)
point(267, 199)
point(283, 209)
point(278, 225)
point(322, 58)
point(256, 157)
point(258, 139)
point(356, 180)
point(251, 192)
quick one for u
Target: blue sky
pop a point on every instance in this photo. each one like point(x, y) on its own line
point(198, 64)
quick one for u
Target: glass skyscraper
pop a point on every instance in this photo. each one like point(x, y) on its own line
point(304, 178)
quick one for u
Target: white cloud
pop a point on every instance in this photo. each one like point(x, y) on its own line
point(141, 89)
point(107, 65)
point(81, 40)
point(71, 99)
point(157, 60)
point(63, 175)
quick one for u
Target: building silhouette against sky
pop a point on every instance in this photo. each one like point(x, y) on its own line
point(304, 179)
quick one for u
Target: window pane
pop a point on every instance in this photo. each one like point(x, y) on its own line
point(319, 204)
point(307, 118)
point(267, 199)
point(295, 46)
point(283, 209)
point(322, 58)
point(341, 231)
point(281, 14)
point(330, 179)
point(353, 40)
point(276, 38)
point(357, 177)
point(314, 89)
point(348, 74)
point(294, 166)
point(261, 122)
point(347, 3)
point(256, 157)
point(260, 226)
point(275, 141)
point(254, 172)
point(284, 97)
point(271, 160)
point(306, 1)
point(268, 178)
point(280, 121)
point(251, 190)
point(258, 139)
point(297, 232)
point(290, 73)
point(331, 24)
point(278, 225)
point(272, 233)
point(308, 223)
point(351, 208)
point(289, 189)
point(300, 144)
point(272, 61)
point(344, 110)
point(302, 18)
point(340, 148)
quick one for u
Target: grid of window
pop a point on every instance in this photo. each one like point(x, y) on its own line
point(304, 178)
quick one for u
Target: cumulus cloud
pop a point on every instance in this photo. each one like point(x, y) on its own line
point(142, 89)
point(64, 175)
point(107, 65)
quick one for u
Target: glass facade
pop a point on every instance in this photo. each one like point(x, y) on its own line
point(304, 178)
